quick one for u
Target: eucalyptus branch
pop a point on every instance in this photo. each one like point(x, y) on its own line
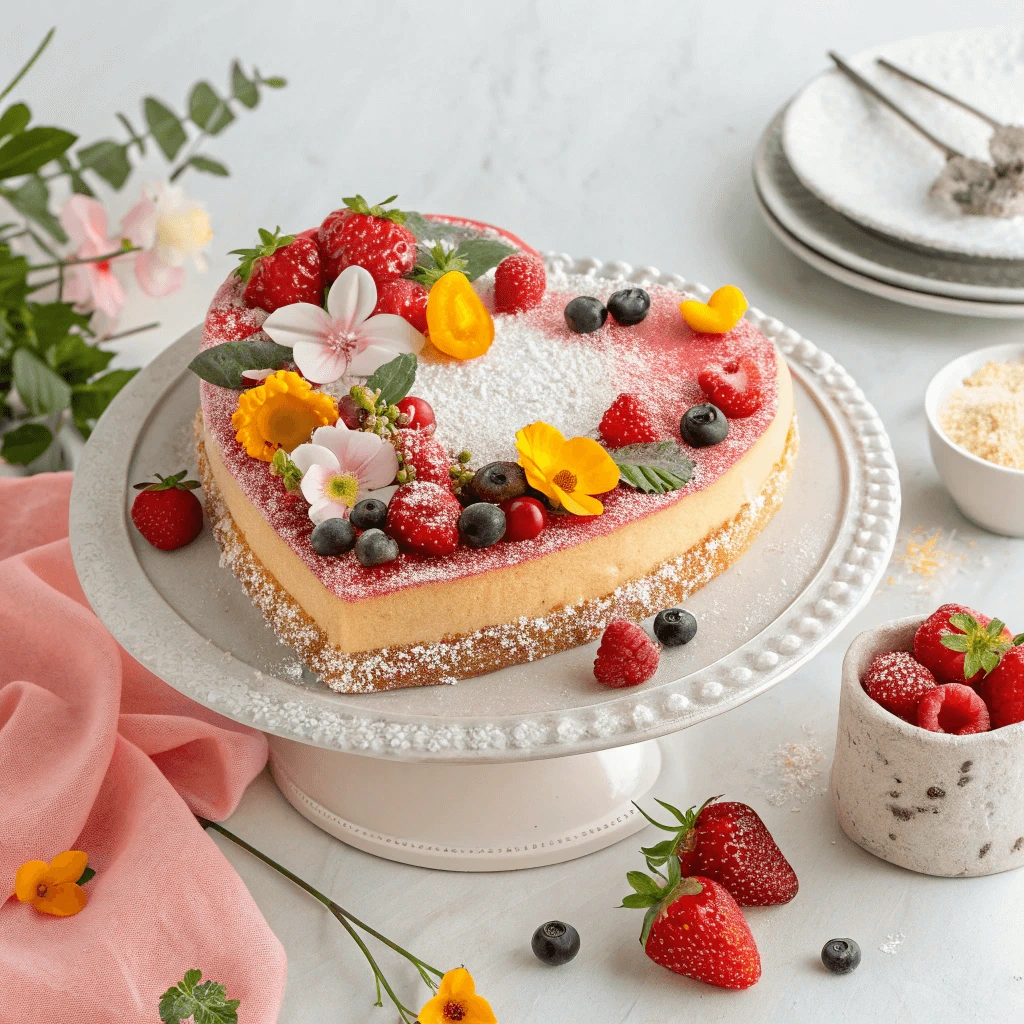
point(191, 151)
point(28, 64)
point(127, 333)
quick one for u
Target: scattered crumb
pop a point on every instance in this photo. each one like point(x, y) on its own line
point(986, 415)
point(926, 561)
point(793, 773)
point(892, 943)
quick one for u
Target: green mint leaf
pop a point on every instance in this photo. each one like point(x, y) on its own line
point(108, 159)
point(165, 127)
point(25, 444)
point(395, 379)
point(954, 641)
point(637, 901)
point(482, 254)
point(14, 120)
point(205, 1002)
point(208, 166)
point(32, 198)
point(223, 364)
point(654, 468)
point(28, 150)
point(207, 110)
point(242, 88)
point(39, 387)
point(87, 876)
point(90, 401)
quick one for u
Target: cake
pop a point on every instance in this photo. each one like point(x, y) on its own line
point(595, 424)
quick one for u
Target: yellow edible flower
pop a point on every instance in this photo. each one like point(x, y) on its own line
point(568, 472)
point(53, 888)
point(282, 412)
point(456, 1000)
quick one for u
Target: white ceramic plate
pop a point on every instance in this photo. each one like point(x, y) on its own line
point(863, 161)
point(188, 620)
point(866, 252)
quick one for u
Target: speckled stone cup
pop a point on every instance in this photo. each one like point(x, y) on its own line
point(938, 804)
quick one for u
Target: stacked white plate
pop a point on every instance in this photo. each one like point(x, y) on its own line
point(844, 183)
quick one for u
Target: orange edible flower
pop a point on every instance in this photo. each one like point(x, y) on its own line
point(457, 321)
point(719, 315)
point(456, 1000)
point(53, 888)
point(568, 472)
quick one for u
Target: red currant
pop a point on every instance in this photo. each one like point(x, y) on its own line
point(349, 413)
point(524, 518)
point(421, 416)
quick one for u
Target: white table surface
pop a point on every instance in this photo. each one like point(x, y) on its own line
point(620, 131)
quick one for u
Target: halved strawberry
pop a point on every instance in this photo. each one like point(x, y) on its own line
point(736, 387)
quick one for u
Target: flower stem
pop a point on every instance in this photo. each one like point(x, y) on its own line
point(76, 261)
point(130, 331)
point(28, 64)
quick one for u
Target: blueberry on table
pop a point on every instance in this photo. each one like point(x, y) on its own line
point(499, 481)
point(332, 537)
point(840, 956)
point(482, 525)
point(629, 306)
point(585, 315)
point(555, 943)
point(703, 426)
point(369, 514)
point(374, 547)
point(675, 627)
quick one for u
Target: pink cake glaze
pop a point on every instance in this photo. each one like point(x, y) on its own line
point(658, 360)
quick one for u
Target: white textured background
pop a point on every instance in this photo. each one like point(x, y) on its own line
point(620, 131)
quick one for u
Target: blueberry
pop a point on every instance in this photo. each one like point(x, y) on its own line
point(584, 314)
point(332, 537)
point(374, 547)
point(675, 627)
point(555, 943)
point(840, 956)
point(369, 514)
point(499, 481)
point(703, 425)
point(629, 306)
point(482, 525)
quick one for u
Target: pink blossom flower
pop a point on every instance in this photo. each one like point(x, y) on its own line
point(344, 338)
point(91, 285)
point(340, 466)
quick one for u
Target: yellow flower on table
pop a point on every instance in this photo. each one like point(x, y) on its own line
point(53, 888)
point(568, 472)
point(282, 412)
point(456, 1000)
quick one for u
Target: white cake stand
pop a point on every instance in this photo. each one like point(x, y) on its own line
point(531, 765)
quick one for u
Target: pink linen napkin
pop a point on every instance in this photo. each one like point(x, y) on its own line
point(97, 754)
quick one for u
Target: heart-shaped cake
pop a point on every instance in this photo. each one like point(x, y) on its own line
point(426, 457)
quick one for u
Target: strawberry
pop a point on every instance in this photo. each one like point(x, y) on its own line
point(694, 927)
point(735, 387)
point(897, 682)
point(626, 421)
point(167, 513)
point(280, 271)
point(369, 237)
point(1003, 688)
point(627, 656)
point(953, 708)
point(427, 457)
point(424, 517)
point(729, 843)
point(958, 644)
point(405, 298)
point(519, 283)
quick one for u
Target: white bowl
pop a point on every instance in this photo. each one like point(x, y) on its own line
point(930, 802)
point(990, 495)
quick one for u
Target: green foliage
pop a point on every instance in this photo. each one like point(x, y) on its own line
point(654, 468)
point(25, 444)
point(223, 365)
point(205, 1002)
point(394, 379)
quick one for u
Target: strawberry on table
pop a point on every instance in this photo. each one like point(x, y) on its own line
point(1003, 688)
point(280, 271)
point(958, 644)
point(369, 237)
point(167, 513)
point(736, 387)
point(519, 283)
point(694, 927)
point(729, 843)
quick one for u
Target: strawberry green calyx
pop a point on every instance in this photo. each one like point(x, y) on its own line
point(169, 483)
point(439, 261)
point(269, 244)
point(360, 205)
point(983, 647)
point(684, 832)
point(657, 896)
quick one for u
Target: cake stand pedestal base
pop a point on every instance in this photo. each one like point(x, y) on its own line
point(467, 817)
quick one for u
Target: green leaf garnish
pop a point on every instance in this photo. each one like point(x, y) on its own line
point(270, 242)
point(205, 1002)
point(223, 365)
point(394, 378)
point(482, 254)
point(655, 467)
point(87, 876)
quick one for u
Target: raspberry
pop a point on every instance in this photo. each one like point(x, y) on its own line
point(404, 298)
point(626, 422)
point(427, 456)
point(735, 387)
point(898, 683)
point(425, 518)
point(627, 655)
point(519, 283)
point(953, 708)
